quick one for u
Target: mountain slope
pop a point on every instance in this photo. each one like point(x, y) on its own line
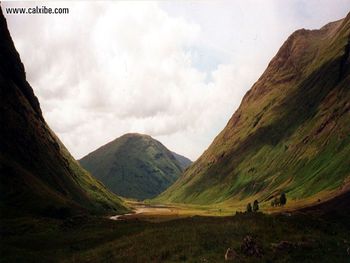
point(134, 165)
point(291, 132)
point(37, 173)
point(183, 161)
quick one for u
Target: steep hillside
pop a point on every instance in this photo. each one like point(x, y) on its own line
point(37, 173)
point(183, 161)
point(134, 165)
point(291, 132)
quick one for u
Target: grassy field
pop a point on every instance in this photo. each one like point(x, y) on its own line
point(188, 238)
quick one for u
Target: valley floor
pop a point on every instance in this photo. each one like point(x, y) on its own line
point(166, 234)
point(166, 212)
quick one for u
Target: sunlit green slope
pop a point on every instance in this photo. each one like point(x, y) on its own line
point(291, 132)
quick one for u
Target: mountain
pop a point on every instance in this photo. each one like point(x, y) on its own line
point(291, 132)
point(183, 161)
point(134, 165)
point(37, 173)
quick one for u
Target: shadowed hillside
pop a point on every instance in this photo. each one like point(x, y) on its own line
point(37, 173)
point(183, 161)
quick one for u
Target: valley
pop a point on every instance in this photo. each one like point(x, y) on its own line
point(273, 186)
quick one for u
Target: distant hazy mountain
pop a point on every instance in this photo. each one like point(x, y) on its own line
point(37, 173)
point(134, 165)
point(183, 161)
point(291, 132)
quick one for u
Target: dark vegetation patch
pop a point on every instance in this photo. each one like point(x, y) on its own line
point(255, 237)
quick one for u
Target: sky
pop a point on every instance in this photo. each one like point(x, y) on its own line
point(175, 70)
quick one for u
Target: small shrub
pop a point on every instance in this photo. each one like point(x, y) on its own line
point(255, 206)
point(249, 208)
point(283, 199)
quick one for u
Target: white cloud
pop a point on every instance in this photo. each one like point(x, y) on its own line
point(174, 70)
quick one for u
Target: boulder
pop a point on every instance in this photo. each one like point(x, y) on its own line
point(231, 255)
point(250, 247)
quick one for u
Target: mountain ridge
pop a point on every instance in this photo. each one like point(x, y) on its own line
point(134, 165)
point(301, 92)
